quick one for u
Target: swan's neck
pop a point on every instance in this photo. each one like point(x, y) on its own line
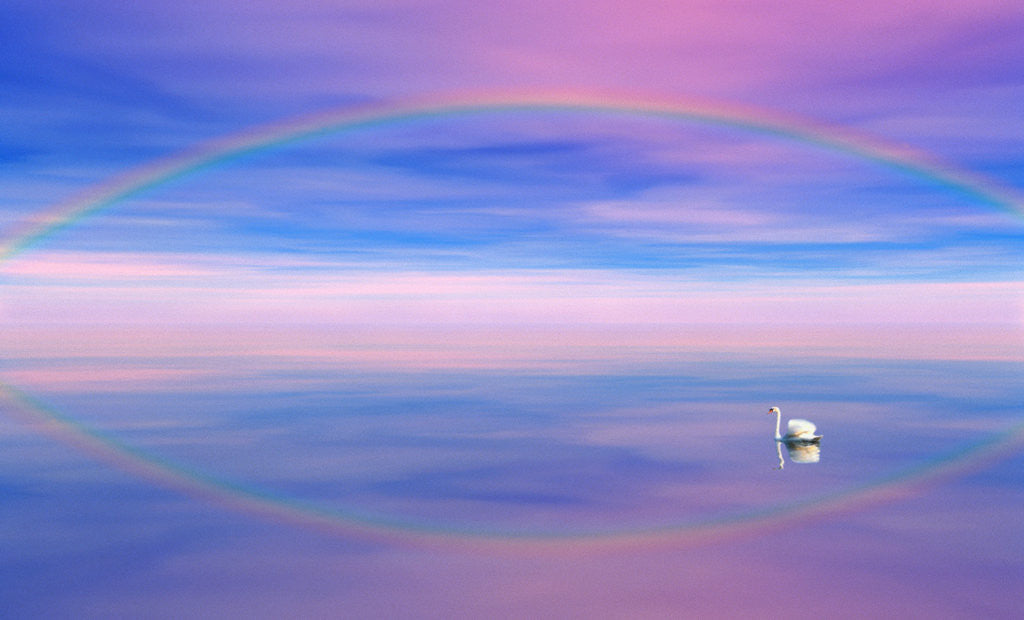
point(778, 425)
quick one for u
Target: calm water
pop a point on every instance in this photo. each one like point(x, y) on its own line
point(651, 492)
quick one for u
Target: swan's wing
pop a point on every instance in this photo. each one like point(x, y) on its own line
point(798, 427)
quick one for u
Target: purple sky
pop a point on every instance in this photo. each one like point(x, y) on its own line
point(578, 210)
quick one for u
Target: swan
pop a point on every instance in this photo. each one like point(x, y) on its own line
point(798, 431)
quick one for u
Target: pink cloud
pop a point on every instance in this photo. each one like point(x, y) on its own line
point(103, 266)
point(137, 292)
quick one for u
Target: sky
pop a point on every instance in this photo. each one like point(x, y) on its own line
point(512, 215)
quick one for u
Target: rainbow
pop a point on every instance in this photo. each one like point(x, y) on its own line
point(227, 149)
point(262, 502)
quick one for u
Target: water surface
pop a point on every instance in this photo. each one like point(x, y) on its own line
point(423, 492)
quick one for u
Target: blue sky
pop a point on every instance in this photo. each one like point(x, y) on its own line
point(626, 207)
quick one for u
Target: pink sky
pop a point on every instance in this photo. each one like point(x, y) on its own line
point(178, 291)
point(134, 309)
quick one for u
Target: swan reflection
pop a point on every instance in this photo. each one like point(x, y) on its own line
point(799, 452)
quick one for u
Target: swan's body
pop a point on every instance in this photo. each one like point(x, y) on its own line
point(797, 431)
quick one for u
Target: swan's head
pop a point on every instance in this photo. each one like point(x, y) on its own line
point(774, 410)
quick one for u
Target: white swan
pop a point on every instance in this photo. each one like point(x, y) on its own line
point(798, 431)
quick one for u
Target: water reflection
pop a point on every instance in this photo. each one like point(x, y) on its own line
point(798, 452)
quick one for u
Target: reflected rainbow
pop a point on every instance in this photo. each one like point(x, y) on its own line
point(280, 508)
